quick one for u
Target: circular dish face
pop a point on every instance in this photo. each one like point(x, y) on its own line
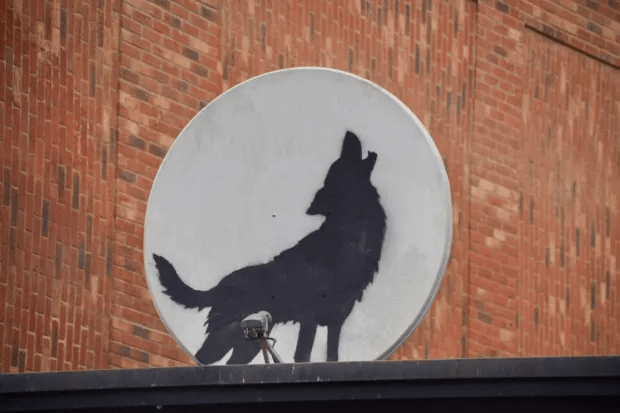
point(309, 193)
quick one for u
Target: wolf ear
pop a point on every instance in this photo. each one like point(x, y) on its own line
point(369, 162)
point(351, 147)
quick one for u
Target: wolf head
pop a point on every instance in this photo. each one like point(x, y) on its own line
point(347, 186)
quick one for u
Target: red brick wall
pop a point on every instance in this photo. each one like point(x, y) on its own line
point(58, 98)
point(568, 292)
point(521, 97)
point(168, 72)
point(520, 301)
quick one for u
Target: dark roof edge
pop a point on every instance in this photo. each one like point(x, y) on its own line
point(344, 372)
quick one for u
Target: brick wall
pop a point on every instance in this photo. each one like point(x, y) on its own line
point(168, 72)
point(541, 87)
point(568, 294)
point(521, 97)
point(58, 103)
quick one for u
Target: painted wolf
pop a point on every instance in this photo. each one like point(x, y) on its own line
point(314, 283)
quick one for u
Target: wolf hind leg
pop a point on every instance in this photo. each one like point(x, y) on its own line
point(333, 340)
point(218, 343)
point(305, 341)
point(244, 352)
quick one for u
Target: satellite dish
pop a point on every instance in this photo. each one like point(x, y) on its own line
point(308, 193)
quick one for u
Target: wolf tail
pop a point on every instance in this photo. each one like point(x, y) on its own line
point(177, 290)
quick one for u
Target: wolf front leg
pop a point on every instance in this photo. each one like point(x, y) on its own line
point(307, 331)
point(333, 340)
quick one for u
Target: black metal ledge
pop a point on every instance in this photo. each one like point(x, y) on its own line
point(531, 384)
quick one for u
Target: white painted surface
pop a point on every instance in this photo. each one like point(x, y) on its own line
point(263, 148)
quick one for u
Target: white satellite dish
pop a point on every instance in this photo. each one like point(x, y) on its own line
point(309, 193)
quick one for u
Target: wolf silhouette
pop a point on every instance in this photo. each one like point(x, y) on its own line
point(315, 283)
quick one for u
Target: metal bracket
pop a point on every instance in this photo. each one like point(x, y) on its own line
point(257, 327)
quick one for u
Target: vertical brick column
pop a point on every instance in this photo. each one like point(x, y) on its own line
point(168, 71)
point(542, 273)
point(567, 299)
point(58, 115)
point(497, 144)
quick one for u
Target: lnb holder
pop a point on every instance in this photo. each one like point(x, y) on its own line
point(257, 326)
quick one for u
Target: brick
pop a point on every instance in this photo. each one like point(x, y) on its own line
point(189, 53)
point(173, 21)
point(157, 151)
point(6, 199)
point(162, 3)
point(504, 8)
point(128, 177)
point(141, 332)
point(209, 13)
